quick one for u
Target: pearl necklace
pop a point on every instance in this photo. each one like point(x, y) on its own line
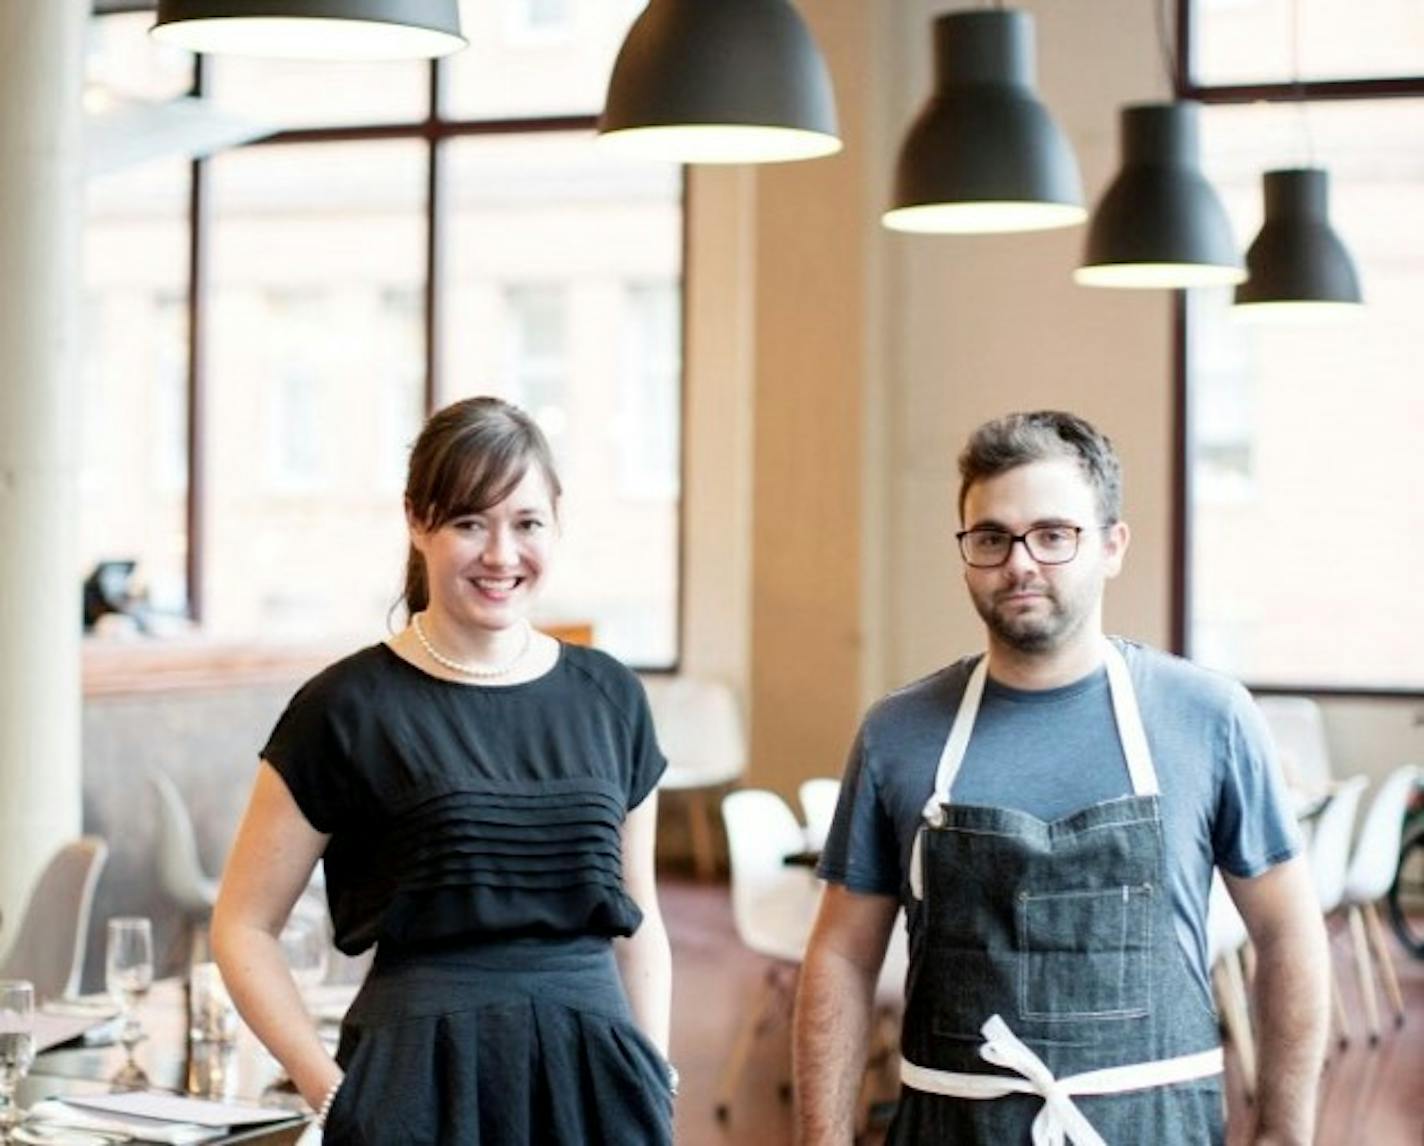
point(482, 671)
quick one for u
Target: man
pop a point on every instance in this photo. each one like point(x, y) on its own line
point(1049, 815)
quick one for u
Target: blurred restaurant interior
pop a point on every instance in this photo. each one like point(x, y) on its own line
point(233, 288)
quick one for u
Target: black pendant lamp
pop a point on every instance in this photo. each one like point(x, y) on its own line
point(313, 29)
point(1160, 223)
point(720, 81)
point(984, 155)
point(1299, 267)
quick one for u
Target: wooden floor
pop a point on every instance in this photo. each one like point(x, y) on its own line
point(1370, 1096)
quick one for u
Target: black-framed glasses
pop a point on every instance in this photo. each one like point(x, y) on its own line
point(1046, 544)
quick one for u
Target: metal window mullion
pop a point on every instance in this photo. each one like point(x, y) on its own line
point(435, 229)
point(1182, 507)
point(199, 198)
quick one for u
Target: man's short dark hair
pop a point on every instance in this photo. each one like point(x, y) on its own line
point(1044, 435)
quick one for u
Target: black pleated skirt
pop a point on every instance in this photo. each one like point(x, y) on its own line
point(524, 1042)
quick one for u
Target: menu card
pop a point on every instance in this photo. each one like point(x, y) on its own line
point(164, 1107)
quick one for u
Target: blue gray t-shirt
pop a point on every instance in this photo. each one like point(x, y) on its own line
point(1054, 752)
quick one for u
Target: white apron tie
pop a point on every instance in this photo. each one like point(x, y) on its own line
point(1060, 1121)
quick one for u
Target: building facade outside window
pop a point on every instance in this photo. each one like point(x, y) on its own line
point(1303, 527)
point(356, 272)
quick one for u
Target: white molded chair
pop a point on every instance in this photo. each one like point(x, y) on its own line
point(773, 908)
point(1329, 850)
point(49, 944)
point(1367, 880)
point(700, 732)
point(1298, 729)
point(180, 870)
point(818, 797)
point(1329, 857)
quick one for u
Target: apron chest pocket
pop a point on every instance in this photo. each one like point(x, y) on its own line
point(1085, 954)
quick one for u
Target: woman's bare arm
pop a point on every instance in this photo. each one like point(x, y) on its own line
point(644, 958)
point(270, 863)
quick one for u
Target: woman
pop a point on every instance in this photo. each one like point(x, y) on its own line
point(484, 800)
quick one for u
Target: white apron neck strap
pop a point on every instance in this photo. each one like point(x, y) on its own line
point(952, 756)
point(1129, 723)
point(1125, 713)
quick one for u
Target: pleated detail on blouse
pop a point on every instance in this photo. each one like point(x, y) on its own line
point(501, 860)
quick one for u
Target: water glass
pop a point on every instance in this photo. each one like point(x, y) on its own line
point(128, 974)
point(17, 1045)
point(212, 1018)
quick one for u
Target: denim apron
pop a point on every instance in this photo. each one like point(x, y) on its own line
point(1051, 1001)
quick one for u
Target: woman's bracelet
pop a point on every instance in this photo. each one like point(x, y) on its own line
point(672, 1079)
point(327, 1101)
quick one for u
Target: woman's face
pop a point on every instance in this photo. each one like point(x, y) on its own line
point(484, 568)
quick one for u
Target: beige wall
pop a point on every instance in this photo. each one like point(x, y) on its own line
point(871, 357)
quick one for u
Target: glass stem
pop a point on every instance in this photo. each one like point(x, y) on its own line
point(130, 1035)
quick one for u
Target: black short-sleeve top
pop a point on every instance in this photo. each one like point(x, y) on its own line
point(468, 811)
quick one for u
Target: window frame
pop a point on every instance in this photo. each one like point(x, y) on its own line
point(435, 129)
point(1286, 91)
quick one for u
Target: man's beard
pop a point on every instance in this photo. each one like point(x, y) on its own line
point(1029, 632)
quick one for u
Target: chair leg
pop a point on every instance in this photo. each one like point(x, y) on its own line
point(751, 1028)
point(699, 827)
point(1386, 964)
point(1337, 1006)
point(1236, 1014)
point(1364, 971)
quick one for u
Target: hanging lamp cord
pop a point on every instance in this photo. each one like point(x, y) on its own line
point(1164, 46)
point(1298, 84)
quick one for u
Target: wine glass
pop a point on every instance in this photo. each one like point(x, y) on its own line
point(17, 1045)
point(128, 974)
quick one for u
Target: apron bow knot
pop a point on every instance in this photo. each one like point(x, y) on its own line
point(1060, 1120)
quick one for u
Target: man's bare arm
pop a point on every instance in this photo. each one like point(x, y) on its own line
point(833, 1009)
point(1292, 998)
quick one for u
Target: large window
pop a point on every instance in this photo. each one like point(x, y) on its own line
point(1305, 533)
point(369, 259)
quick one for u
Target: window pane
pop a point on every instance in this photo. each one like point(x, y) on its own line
point(1250, 41)
point(536, 57)
point(316, 377)
point(650, 397)
point(308, 93)
point(563, 293)
point(133, 456)
point(1306, 437)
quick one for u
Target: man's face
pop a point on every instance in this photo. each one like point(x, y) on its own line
point(1029, 606)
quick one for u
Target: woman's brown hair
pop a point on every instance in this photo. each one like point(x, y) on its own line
point(469, 457)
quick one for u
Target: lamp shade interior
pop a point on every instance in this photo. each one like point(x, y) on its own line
point(982, 218)
point(313, 29)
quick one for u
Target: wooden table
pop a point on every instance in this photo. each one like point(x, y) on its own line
point(242, 1072)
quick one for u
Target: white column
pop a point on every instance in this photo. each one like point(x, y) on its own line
point(41, 81)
